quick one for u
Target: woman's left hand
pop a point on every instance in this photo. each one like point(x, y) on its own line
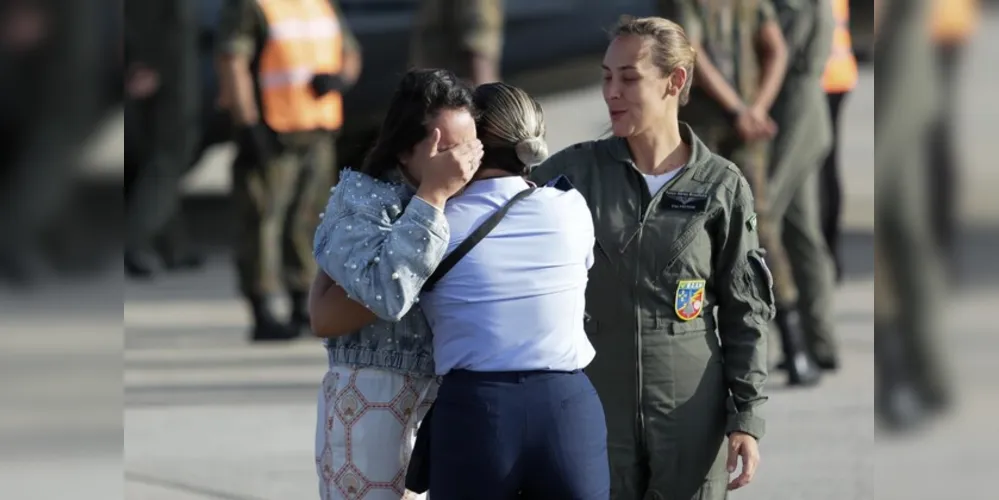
point(742, 445)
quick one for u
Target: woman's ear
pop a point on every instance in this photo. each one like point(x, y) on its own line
point(677, 80)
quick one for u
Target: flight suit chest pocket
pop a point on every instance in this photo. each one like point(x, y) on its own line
point(682, 237)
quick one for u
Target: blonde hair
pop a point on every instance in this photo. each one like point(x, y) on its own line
point(511, 126)
point(671, 49)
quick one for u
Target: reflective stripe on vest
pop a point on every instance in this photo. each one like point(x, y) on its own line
point(954, 20)
point(303, 39)
point(841, 69)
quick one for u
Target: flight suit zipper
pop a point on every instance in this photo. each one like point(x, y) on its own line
point(639, 388)
point(640, 411)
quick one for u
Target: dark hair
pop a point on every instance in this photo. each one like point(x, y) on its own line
point(421, 94)
point(511, 126)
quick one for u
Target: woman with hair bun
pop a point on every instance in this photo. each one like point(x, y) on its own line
point(514, 413)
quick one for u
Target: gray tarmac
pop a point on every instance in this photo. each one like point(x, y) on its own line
point(209, 416)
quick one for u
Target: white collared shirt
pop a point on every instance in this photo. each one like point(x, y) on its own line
point(516, 301)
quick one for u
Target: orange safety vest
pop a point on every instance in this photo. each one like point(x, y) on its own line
point(841, 68)
point(304, 39)
point(954, 20)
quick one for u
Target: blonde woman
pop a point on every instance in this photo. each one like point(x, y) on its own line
point(679, 298)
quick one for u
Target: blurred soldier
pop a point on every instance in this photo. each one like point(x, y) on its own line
point(49, 94)
point(163, 92)
point(839, 79)
point(464, 36)
point(909, 378)
point(741, 60)
point(953, 24)
point(283, 68)
point(803, 139)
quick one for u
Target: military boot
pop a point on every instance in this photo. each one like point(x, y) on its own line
point(140, 264)
point(266, 326)
point(898, 407)
point(801, 369)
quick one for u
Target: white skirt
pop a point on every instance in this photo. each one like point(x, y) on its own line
point(365, 431)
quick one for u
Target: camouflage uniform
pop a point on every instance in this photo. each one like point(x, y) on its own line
point(730, 45)
point(277, 202)
point(449, 32)
point(728, 31)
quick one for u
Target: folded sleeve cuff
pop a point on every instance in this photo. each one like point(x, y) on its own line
point(748, 423)
point(429, 216)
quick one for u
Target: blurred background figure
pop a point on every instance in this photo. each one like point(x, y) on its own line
point(283, 67)
point(910, 382)
point(741, 61)
point(840, 77)
point(50, 83)
point(464, 36)
point(804, 136)
point(953, 23)
point(162, 112)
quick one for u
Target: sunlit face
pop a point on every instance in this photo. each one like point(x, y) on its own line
point(637, 94)
point(457, 127)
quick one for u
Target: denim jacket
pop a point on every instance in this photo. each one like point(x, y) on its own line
point(381, 244)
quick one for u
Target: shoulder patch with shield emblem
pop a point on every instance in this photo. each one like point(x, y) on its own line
point(689, 300)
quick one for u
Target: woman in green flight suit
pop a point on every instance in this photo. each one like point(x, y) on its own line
point(676, 244)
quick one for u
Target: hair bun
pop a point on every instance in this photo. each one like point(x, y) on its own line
point(532, 151)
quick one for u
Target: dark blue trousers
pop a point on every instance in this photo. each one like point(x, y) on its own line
point(509, 435)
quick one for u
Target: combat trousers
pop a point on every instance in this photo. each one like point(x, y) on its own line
point(944, 164)
point(277, 208)
point(830, 185)
point(753, 159)
point(907, 274)
point(168, 124)
point(908, 277)
point(804, 139)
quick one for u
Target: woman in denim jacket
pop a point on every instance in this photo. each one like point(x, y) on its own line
point(380, 239)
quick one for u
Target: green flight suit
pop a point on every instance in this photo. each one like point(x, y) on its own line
point(163, 35)
point(672, 388)
point(727, 29)
point(908, 274)
point(447, 31)
point(804, 138)
point(277, 203)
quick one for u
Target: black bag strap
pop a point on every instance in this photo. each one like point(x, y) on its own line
point(473, 239)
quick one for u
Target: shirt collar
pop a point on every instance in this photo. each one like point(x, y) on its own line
point(699, 153)
point(510, 183)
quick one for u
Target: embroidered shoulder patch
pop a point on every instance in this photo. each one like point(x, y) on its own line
point(689, 300)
